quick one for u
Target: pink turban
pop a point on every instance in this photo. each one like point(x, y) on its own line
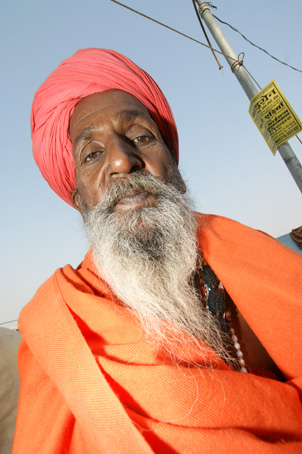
point(88, 71)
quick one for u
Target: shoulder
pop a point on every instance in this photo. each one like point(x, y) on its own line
point(213, 221)
point(214, 230)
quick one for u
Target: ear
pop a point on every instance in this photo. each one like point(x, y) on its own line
point(76, 200)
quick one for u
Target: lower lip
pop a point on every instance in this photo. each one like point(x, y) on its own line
point(132, 202)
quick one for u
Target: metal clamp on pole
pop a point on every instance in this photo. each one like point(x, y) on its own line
point(202, 7)
point(238, 61)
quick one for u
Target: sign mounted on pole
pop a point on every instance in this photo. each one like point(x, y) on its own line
point(274, 116)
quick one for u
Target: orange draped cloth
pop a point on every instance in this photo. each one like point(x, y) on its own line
point(90, 382)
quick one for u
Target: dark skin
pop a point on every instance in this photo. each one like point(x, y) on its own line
point(113, 135)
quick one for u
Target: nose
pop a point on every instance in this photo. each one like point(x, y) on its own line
point(122, 157)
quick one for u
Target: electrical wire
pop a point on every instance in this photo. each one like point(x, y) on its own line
point(10, 321)
point(171, 28)
point(299, 139)
point(203, 44)
point(255, 45)
point(186, 36)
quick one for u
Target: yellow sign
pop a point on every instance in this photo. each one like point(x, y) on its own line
point(274, 116)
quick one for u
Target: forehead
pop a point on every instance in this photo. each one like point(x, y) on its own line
point(105, 105)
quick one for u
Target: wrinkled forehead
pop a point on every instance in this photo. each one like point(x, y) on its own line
point(109, 103)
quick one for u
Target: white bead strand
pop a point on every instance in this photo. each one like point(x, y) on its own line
point(238, 351)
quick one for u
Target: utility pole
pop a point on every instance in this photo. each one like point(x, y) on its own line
point(247, 84)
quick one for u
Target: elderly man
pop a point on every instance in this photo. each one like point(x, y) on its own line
point(179, 332)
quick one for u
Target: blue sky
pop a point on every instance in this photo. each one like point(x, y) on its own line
point(223, 157)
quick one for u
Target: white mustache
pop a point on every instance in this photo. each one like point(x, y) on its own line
point(127, 186)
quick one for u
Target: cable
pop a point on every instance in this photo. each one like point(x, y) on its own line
point(253, 78)
point(170, 28)
point(299, 139)
point(6, 323)
point(186, 36)
point(255, 45)
point(202, 44)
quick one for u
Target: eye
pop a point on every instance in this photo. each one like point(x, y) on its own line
point(142, 140)
point(92, 156)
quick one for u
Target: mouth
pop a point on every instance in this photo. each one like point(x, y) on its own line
point(134, 201)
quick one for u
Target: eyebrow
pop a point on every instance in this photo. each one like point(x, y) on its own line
point(129, 115)
point(85, 134)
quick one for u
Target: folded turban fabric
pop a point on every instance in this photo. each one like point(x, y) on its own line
point(87, 72)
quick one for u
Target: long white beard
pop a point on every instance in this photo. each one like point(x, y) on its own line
point(148, 257)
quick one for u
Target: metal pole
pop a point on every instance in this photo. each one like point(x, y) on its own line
point(248, 86)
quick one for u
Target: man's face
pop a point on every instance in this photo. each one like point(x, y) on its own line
point(113, 135)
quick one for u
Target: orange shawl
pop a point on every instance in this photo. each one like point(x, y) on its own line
point(90, 383)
